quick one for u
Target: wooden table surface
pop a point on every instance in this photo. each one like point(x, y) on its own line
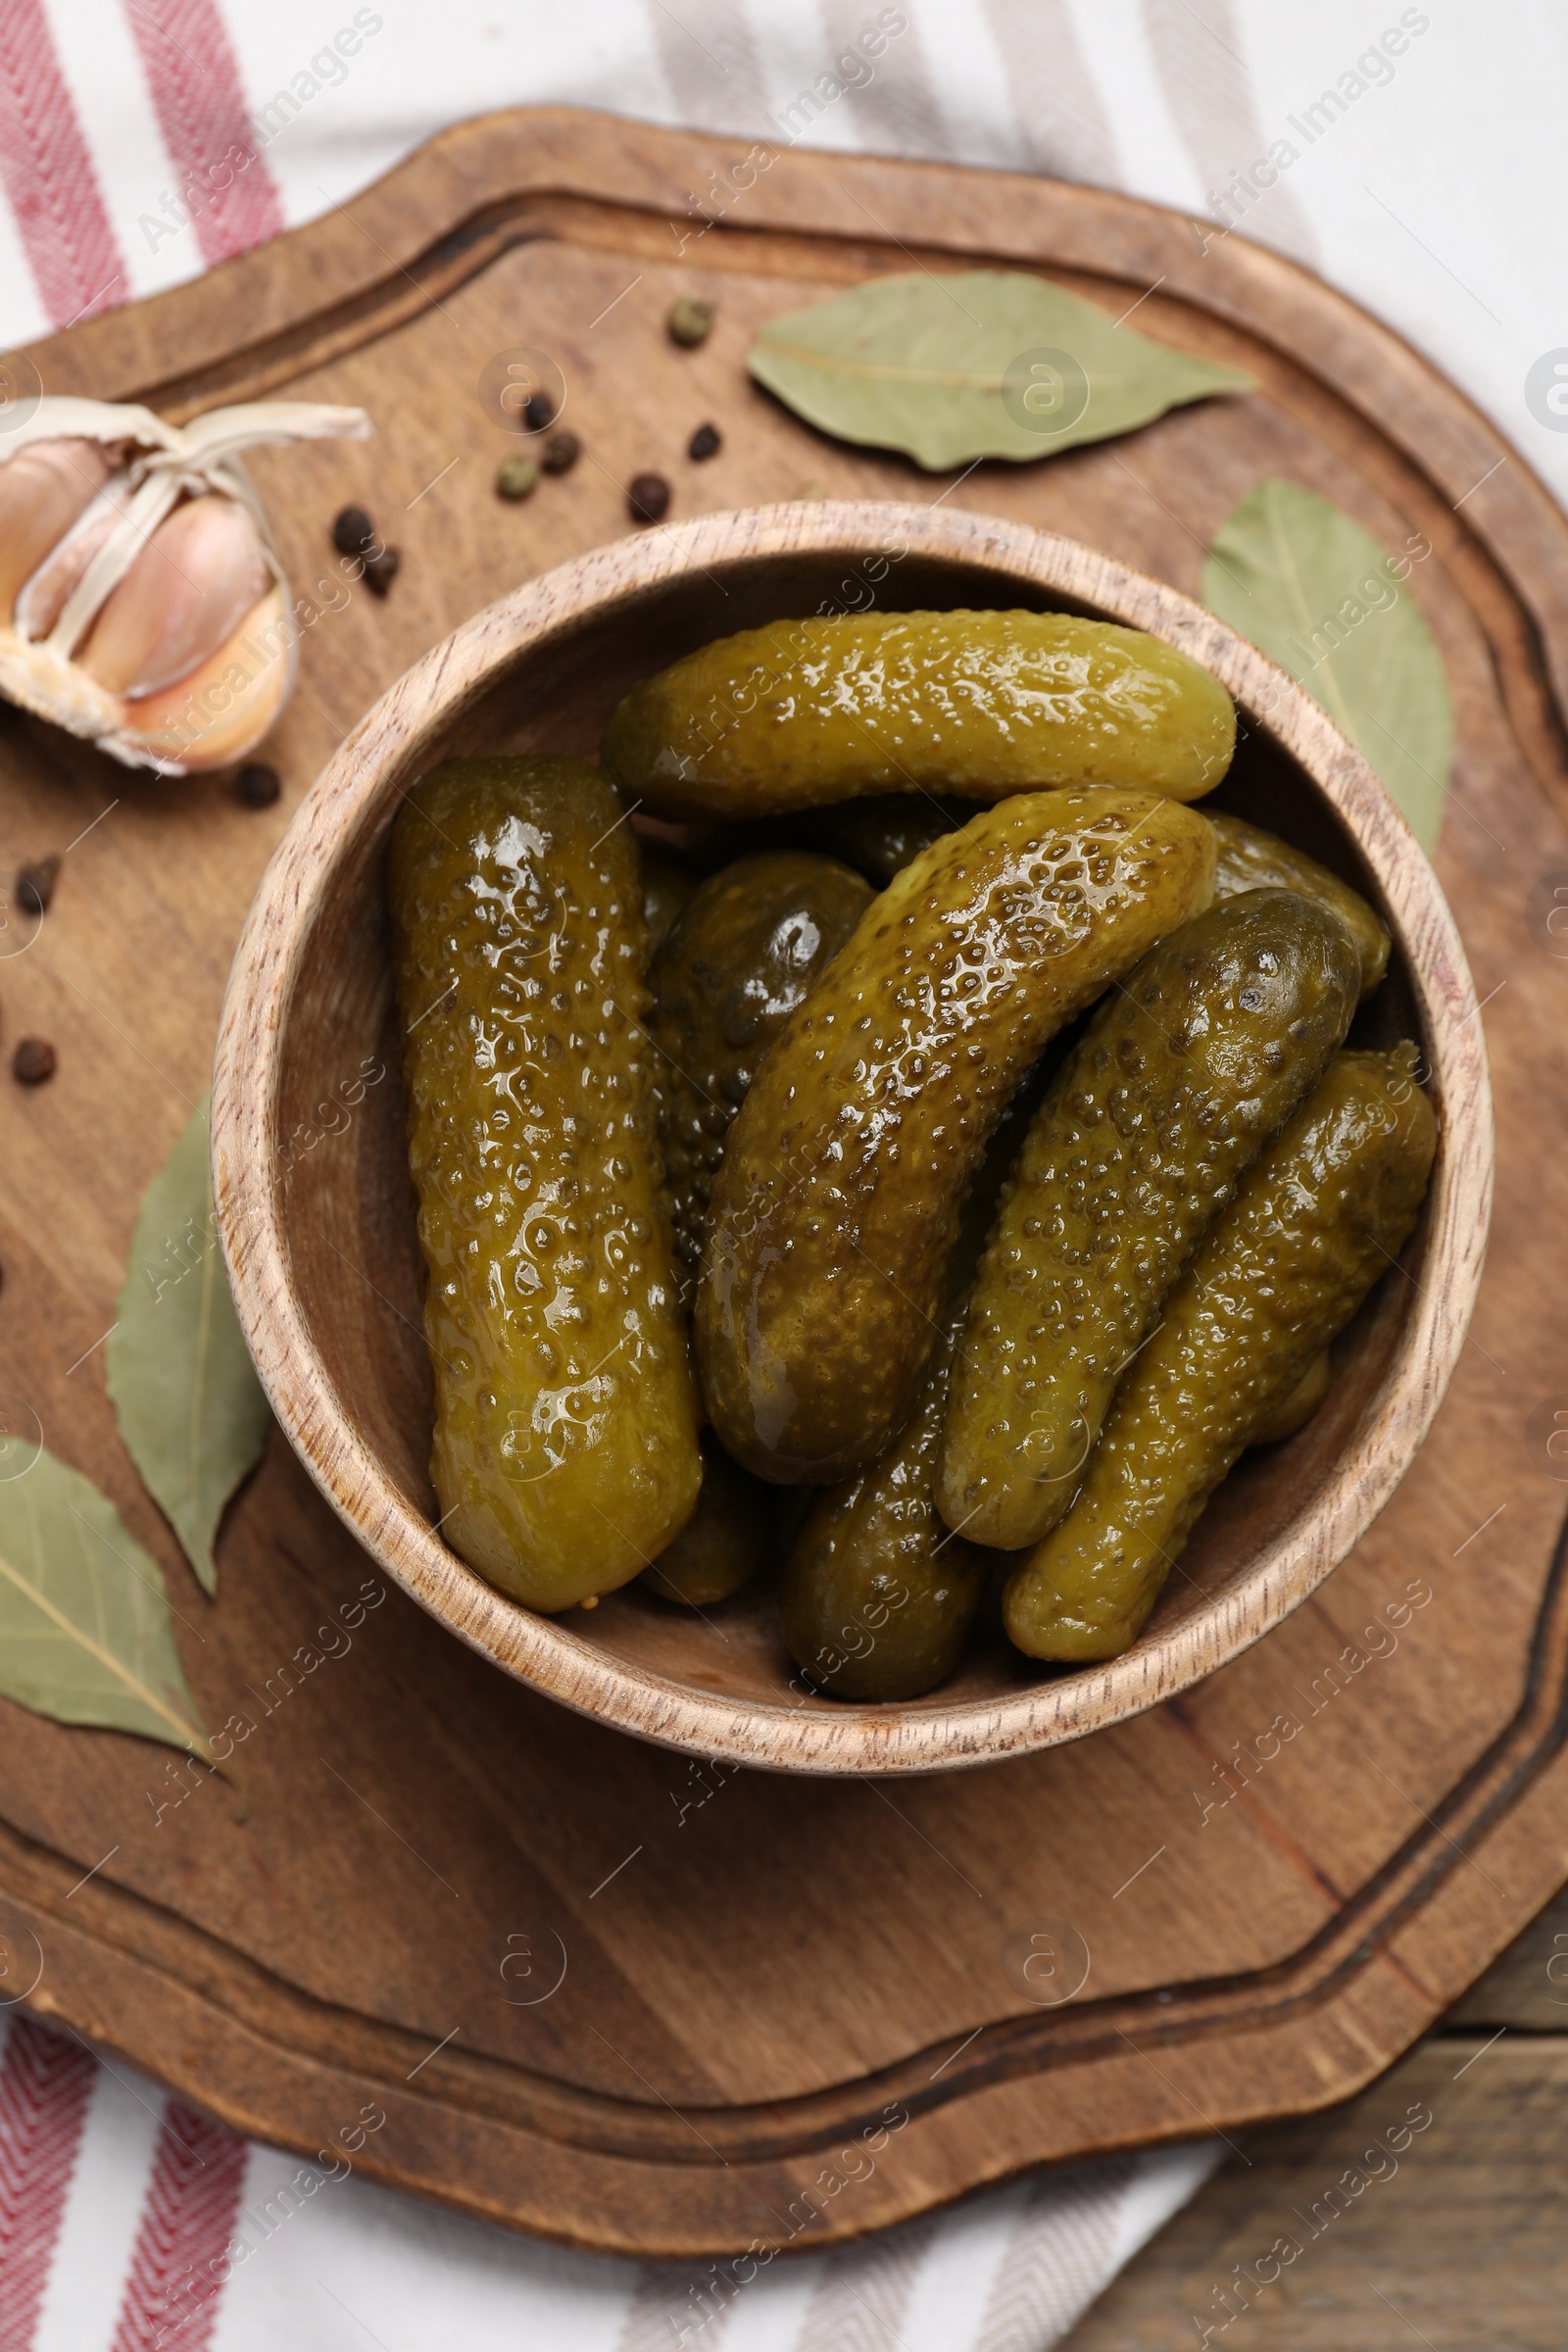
point(1458, 2241)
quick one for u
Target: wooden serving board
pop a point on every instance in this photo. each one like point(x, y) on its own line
point(665, 1997)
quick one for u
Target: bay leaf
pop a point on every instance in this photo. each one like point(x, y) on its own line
point(985, 363)
point(191, 1410)
point(86, 1632)
point(1316, 592)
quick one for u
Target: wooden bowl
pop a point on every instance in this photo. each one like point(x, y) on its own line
point(316, 1213)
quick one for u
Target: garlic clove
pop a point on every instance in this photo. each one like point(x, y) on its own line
point(94, 630)
point(43, 490)
point(200, 573)
point(43, 597)
point(224, 707)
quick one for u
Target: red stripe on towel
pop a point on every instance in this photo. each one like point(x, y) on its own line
point(178, 2271)
point(45, 2082)
point(48, 175)
point(194, 76)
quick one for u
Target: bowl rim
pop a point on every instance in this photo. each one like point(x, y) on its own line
point(832, 1738)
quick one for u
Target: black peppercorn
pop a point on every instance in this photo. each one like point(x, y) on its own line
point(706, 442)
point(381, 570)
point(561, 453)
point(539, 413)
point(256, 785)
point(648, 497)
point(35, 885)
point(352, 533)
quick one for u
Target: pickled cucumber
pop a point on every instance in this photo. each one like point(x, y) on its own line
point(1295, 1412)
point(565, 1454)
point(799, 712)
point(1187, 1068)
point(878, 1597)
point(1317, 1218)
point(835, 1210)
point(880, 835)
point(752, 942)
point(723, 1542)
point(669, 881)
point(1251, 859)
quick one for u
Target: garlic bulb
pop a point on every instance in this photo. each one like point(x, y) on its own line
point(142, 604)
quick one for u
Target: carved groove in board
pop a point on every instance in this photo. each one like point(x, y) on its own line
point(1086, 2031)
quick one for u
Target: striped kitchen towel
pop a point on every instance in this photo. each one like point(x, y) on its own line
point(1328, 131)
point(131, 2223)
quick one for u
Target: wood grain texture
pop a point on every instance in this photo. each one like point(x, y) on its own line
point(756, 1966)
point(1528, 1986)
point(1454, 2237)
point(340, 1348)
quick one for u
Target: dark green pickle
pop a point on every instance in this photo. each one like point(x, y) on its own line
point(1319, 1216)
point(725, 1540)
point(878, 1599)
point(836, 1206)
point(750, 945)
point(1184, 1072)
point(565, 1455)
point(669, 881)
point(1251, 859)
point(880, 836)
point(798, 713)
point(1295, 1410)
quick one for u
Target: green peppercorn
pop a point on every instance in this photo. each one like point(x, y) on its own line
point(689, 322)
point(517, 477)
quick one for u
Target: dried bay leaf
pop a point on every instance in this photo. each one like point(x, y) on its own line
point(86, 1632)
point(191, 1410)
point(986, 363)
point(1320, 596)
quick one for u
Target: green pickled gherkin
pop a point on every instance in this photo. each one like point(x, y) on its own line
point(835, 1210)
point(1184, 1072)
point(878, 1597)
point(1317, 1218)
point(799, 712)
point(723, 1542)
point(880, 835)
point(1251, 859)
point(669, 881)
point(565, 1452)
point(1295, 1410)
point(751, 943)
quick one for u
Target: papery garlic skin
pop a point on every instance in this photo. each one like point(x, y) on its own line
point(34, 679)
point(43, 597)
point(142, 604)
